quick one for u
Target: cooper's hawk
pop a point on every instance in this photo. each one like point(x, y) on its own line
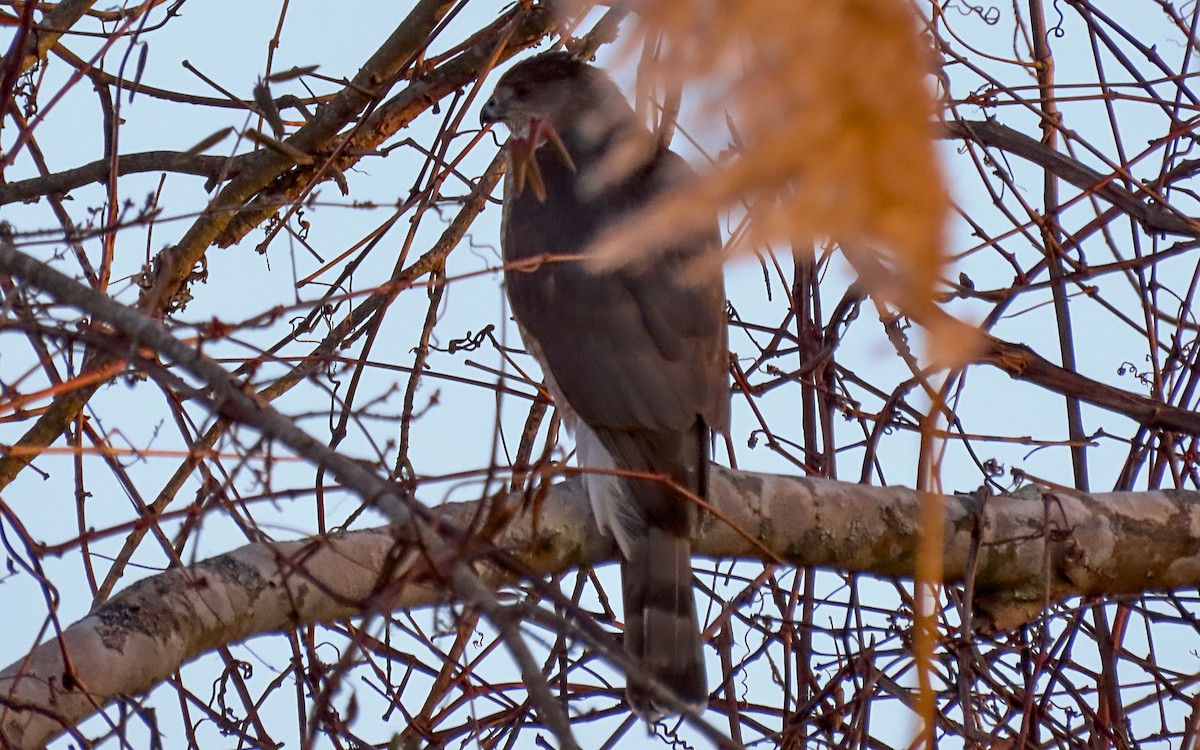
point(636, 357)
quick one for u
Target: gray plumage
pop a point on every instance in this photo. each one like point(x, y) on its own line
point(636, 357)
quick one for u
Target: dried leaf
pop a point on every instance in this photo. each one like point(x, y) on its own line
point(284, 149)
point(267, 108)
point(827, 146)
point(209, 142)
point(291, 73)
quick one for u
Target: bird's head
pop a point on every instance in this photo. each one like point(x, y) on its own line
point(554, 89)
point(553, 99)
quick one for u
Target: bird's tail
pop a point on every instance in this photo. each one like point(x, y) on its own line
point(662, 632)
point(653, 523)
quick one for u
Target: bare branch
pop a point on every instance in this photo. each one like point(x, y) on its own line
point(1148, 209)
point(1098, 544)
point(101, 169)
point(229, 400)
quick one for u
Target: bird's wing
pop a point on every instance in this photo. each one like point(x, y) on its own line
point(635, 348)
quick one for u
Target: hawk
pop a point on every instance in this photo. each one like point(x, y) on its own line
point(635, 357)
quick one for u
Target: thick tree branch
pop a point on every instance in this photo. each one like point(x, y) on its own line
point(173, 267)
point(391, 117)
point(1111, 543)
point(384, 67)
point(227, 398)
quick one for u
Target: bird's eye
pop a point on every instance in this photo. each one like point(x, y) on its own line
point(520, 91)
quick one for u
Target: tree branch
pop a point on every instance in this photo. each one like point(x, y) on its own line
point(173, 267)
point(1104, 543)
point(99, 171)
point(389, 118)
point(55, 23)
point(1148, 208)
point(226, 397)
point(1023, 363)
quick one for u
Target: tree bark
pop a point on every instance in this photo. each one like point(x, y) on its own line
point(1030, 550)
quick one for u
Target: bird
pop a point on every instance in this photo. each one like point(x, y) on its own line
point(635, 356)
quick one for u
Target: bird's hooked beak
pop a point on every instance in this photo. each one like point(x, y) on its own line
point(490, 113)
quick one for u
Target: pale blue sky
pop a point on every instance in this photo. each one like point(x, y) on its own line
point(227, 41)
